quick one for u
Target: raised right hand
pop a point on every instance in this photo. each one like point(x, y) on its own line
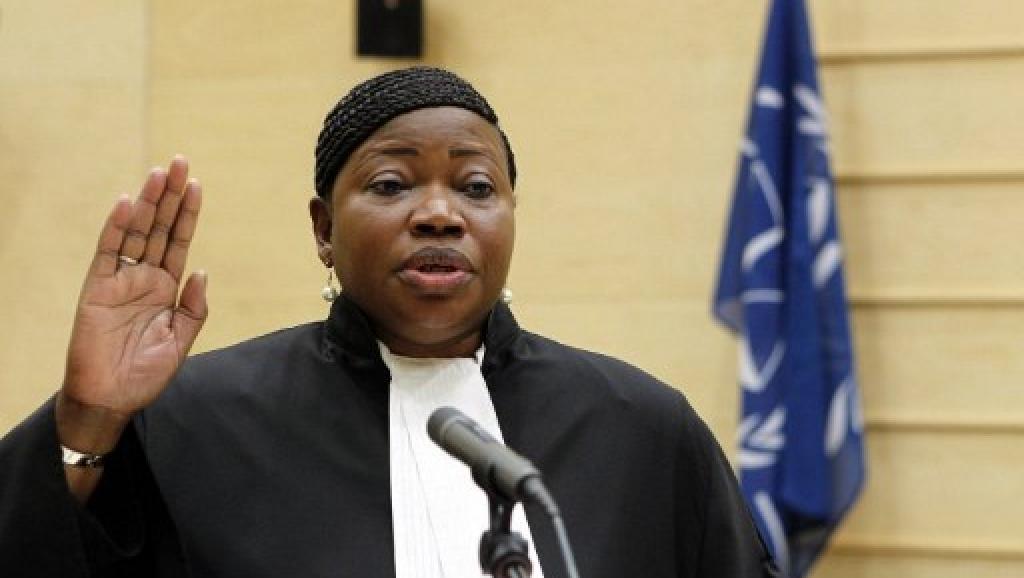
point(132, 331)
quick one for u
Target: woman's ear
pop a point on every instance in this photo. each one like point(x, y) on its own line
point(320, 215)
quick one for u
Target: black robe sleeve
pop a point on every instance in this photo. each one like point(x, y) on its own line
point(123, 531)
point(730, 545)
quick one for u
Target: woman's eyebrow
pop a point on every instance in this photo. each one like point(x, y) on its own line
point(467, 152)
point(395, 151)
point(366, 155)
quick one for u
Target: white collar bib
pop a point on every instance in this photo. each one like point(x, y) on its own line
point(438, 512)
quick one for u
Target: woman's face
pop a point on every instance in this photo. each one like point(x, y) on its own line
point(420, 229)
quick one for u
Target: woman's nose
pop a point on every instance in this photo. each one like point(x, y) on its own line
point(438, 216)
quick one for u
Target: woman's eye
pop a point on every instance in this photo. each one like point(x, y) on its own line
point(479, 190)
point(386, 187)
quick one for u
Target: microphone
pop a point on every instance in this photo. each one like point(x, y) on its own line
point(499, 471)
point(495, 467)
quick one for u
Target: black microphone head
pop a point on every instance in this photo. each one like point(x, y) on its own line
point(440, 420)
point(495, 467)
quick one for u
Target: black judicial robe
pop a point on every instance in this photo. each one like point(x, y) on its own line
point(271, 459)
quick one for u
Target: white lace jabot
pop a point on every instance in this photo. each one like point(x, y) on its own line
point(438, 512)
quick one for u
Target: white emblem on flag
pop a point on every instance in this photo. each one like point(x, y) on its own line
point(844, 416)
point(826, 263)
point(769, 97)
point(818, 208)
point(815, 123)
point(771, 194)
point(753, 378)
point(761, 441)
point(751, 296)
point(760, 245)
point(773, 523)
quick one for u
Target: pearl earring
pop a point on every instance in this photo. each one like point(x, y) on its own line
point(329, 292)
point(506, 295)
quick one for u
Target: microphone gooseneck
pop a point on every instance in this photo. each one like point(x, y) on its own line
point(497, 469)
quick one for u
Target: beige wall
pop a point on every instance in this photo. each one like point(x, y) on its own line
point(625, 118)
point(72, 135)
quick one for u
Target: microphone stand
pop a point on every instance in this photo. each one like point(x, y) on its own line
point(503, 553)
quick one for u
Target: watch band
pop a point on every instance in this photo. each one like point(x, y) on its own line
point(80, 460)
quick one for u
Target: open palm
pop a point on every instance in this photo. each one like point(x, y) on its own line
point(132, 331)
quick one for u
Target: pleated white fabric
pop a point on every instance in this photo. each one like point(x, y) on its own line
point(438, 511)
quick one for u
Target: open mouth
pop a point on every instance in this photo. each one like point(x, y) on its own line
point(436, 268)
point(437, 260)
point(436, 271)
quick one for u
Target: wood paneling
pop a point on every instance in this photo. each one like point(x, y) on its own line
point(887, 24)
point(941, 488)
point(927, 138)
point(854, 564)
point(946, 423)
point(943, 115)
point(936, 238)
point(920, 361)
point(919, 54)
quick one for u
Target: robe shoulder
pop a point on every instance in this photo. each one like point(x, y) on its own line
point(630, 463)
point(602, 383)
point(272, 455)
point(256, 362)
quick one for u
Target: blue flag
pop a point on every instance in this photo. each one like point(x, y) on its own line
point(781, 289)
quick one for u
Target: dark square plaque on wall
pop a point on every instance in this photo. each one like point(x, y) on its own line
point(390, 28)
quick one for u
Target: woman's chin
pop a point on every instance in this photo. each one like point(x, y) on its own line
point(433, 323)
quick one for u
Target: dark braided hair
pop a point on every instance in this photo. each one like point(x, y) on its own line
point(376, 101)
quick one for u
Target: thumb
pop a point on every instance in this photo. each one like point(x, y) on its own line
point(191, 312)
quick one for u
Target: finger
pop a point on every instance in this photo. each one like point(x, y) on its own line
point(166, 212)
point(176, 253)
point(104, 262)
point(191, 312)
point(177, 174)
point(143, 210)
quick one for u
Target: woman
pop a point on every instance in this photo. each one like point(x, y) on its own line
point(302, 453)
